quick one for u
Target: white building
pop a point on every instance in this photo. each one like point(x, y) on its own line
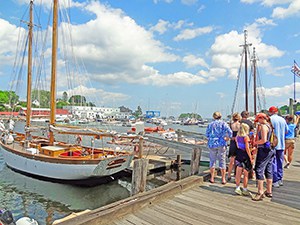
point(88, 112)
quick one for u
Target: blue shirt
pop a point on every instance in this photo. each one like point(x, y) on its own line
point(216, 131)
point(291, 131)
point(280, 129)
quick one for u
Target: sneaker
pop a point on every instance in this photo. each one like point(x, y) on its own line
point(245, 192)
point(276, 184)
point(287, 166)
point(238, 191)
point(280, 182)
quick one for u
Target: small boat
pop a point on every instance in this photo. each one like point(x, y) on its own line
point(148, 129)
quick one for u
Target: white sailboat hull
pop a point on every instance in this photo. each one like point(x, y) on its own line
point(79, 170)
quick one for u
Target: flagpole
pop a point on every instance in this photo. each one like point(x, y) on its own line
point(294, 82)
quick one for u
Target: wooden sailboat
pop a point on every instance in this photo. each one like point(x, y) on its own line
point(46, 158)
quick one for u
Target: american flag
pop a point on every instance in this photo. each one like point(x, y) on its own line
point(296, 69)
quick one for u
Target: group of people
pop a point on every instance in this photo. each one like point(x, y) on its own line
point(251, 148)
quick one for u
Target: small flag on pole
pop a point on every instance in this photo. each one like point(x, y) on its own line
point(296, 69)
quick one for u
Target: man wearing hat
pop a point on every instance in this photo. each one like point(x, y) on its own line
point(280, 129)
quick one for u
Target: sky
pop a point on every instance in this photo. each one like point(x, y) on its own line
point(176, 56)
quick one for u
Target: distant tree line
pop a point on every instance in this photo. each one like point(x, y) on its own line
point(9, 100)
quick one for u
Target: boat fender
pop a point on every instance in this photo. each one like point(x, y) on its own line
point(9, 139)
point(26, 221)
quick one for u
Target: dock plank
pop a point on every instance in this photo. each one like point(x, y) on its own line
point(191, 201)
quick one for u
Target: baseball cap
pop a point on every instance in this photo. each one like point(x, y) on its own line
point(273, 109)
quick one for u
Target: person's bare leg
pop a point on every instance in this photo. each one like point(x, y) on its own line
point(223, 173)
point(269, 185)
point(212, 174)
point(230, 166)
point(238, 175)
point(246, 177)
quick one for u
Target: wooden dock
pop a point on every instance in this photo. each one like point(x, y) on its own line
point(194, 201)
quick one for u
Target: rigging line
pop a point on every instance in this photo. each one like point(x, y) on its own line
point(64, 48)
point(42, 57)
point(262, 92)
point(237, 84)
point(19, 60)
point(70, 75)
point(15, 60)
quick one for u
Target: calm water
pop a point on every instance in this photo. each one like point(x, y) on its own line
point(47, 201)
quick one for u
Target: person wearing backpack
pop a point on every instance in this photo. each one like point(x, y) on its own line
point(280, 129)
point(264, 158)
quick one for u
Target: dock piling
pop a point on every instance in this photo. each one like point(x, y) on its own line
point(139, 175)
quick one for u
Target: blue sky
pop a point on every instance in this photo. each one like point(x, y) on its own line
point(171, 55)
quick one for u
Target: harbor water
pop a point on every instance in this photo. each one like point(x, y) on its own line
point(46, 201)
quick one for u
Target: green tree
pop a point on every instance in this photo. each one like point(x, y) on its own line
point(42, 96)
point(65, 96)
point(8, 98)
point(77, 100)
point(138, 112)
point(190, 115)
point(61, 104)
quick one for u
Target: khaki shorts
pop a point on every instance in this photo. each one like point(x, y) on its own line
point(289, 143)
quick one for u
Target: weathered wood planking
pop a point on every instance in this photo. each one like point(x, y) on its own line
point(192, 202)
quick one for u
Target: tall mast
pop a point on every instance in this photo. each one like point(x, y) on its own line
point(254, 59)
point(53, 69)
point(245, 51)
point(29, 72)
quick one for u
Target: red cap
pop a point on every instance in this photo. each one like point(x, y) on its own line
point(273, 109)
point(260, 116)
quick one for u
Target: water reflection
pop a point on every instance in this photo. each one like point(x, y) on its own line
point(46, 201)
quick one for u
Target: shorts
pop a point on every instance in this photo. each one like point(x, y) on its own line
point(289, 143)
point(242, 160)
point(263, 165)
point(217, 154)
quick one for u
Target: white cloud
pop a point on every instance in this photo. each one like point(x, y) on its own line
point(193, 61)
point(167, 1)
point(279, 12)
point(9, 38)
point(291, 10)
point(268, 3)
point(189, 2)
point(225, 52)
point(99, 95)
point(188, 34)
point(275, 92)
point(48, 3)
point(161, 27)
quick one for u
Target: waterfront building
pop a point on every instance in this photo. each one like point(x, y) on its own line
point(91, 112)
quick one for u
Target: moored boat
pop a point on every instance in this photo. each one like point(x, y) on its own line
point(43, 156)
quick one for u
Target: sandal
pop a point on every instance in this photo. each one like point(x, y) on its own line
point(210, 181)
point(267, 194)
point(258, 197)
